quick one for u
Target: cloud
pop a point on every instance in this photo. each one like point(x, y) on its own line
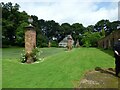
point(86, 12)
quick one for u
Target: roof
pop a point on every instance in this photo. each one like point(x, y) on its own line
point(66, 39)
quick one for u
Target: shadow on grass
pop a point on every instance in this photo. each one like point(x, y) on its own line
point(107, 51)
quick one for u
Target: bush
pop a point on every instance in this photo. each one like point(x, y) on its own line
point(44, 45)
point(35, 54)
point(23, 58)
point(54, 44)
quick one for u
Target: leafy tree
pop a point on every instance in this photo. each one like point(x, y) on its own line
point(86, 39)
point(101, 24)
point(90, 39)
point(20, 34)
point(66, 28)
point(48, 29)
point(94, 39)
point(10, 22)
point(102, 33)
point(90, 28)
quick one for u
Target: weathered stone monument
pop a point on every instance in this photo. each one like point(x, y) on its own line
point(30, 41)
point(77, 44)
point(69, 42)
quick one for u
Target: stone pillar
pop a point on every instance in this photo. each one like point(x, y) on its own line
point(77, 44)
point(69, 42)
point(30, 42)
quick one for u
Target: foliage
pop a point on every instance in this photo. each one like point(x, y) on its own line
point(23, 57)
point(102, 33)
point(35, 54)
point(42, 40)
point(90, 39)
point(54, 44)
point(13, 22)
point(106, 25)
point(66, 28)
point(77, 31)
point(20, 34)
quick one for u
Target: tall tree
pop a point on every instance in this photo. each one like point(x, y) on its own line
point(10, 22)
point(20, 34)
point(90, 39)
point(66, 28)
point(77, 31)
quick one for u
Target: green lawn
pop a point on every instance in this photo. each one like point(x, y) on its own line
point(60, 69)
point(0, 68)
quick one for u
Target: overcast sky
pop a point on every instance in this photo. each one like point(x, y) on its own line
point(87, 12)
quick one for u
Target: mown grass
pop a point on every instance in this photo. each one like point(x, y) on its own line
point(60, 69)
point(0, 68)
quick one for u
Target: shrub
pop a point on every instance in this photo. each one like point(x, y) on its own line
point(23, 57)
point(35, 55)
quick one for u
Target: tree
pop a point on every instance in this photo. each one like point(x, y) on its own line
point(94, 39)
point(102, 33)
point(90, 39)
point(66, 28)
point(106, 25)
point(11, 20)
point(90, 28)
point(20, 34)
point(77, 31)
point(86, 39)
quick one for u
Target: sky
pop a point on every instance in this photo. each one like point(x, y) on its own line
point(87, 12)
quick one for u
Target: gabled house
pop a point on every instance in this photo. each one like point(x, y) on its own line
point(64, 42)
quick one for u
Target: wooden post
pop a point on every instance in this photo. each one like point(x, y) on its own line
point(30, 42)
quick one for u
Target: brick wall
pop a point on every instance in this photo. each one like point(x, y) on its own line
point(108, 41)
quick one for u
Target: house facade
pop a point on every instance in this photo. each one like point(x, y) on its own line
point(64, 42)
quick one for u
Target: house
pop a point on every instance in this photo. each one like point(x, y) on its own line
point(64, 42)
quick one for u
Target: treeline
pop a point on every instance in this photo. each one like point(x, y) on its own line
point(14, 21)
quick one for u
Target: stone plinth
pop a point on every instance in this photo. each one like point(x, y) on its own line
point(69, 44)
point(30, 42)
